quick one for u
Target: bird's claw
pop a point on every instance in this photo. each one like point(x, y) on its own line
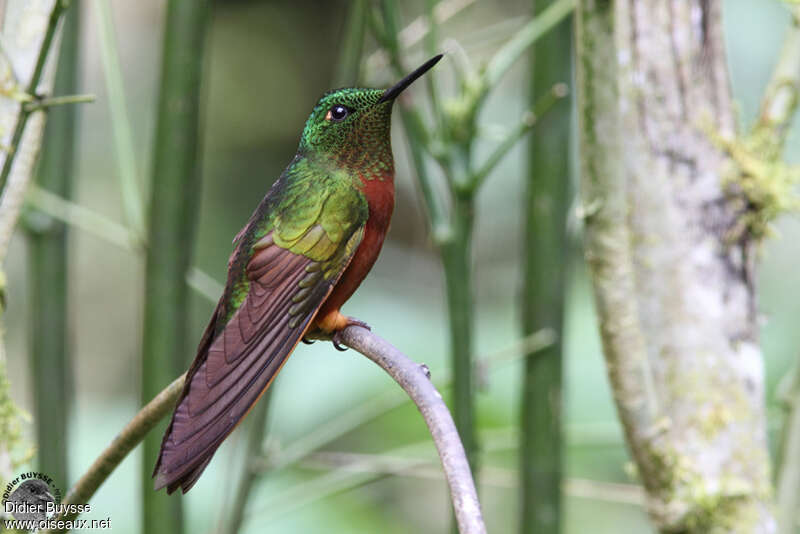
point(337, 336)
point(336, 342)
point(356, 322)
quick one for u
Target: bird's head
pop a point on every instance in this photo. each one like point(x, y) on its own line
point(351, 126)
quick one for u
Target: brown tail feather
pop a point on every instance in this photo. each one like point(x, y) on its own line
point(235, 366)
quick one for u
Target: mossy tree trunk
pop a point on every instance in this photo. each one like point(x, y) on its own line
point(672, 267)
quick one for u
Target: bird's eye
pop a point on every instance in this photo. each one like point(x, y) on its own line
point(337, 113)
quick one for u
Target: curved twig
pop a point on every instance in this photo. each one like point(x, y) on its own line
point(412, 377)
point(415, 380)
point(130, 436)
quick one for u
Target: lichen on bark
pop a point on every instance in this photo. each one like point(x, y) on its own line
point(674, 294)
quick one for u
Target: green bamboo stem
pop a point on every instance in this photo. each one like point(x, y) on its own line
point(47, 246)
point(257, 428)
point(437, 218)
point(431, 49)
point(128, 438)
point(132, 204)
point(173, 208)
point(15, 177)
point(545, 260)
point(457, 263)
point(349, 66)
point(454, 238)
point(452, 231)
point(530, 119)
point(538, 27)
point(788, 462)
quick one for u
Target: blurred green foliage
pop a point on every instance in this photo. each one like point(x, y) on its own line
point(268, 62)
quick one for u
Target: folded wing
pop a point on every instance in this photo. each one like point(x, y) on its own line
point(289, 276)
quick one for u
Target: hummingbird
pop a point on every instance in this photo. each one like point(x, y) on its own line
point(305, 250)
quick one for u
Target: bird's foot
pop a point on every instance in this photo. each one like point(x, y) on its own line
point(337, 336)
point(314, 334)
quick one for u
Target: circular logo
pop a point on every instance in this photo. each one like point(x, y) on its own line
point(31, 497)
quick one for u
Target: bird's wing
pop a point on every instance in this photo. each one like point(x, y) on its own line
point(294, 261)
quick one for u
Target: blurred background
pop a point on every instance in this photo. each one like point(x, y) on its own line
point(268, 61)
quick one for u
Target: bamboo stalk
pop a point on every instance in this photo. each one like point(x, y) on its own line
point(457, 266)
point(132, 202)
point(545, 266)
point(788, 483)
point(47, 246)
point(255, 441)
point(128, 438)
point(174, 192)
point(451, 144)
point(19, 152)
point(349, 66)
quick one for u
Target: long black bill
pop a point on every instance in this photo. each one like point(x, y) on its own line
point(392, 92)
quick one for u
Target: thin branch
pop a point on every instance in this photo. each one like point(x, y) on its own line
point(397, 465)
point(80, 217)
point(332, 483)
point(117, 234)
point(529, 34)
point(22, 119)
point(349, 471)
point(409, 375)
point(417, 384)
point(123, 137)
point(781, 96)
point(418, 29)
point(529, 120)
point(49, 102)
point(130, 436)
point(369, 410)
